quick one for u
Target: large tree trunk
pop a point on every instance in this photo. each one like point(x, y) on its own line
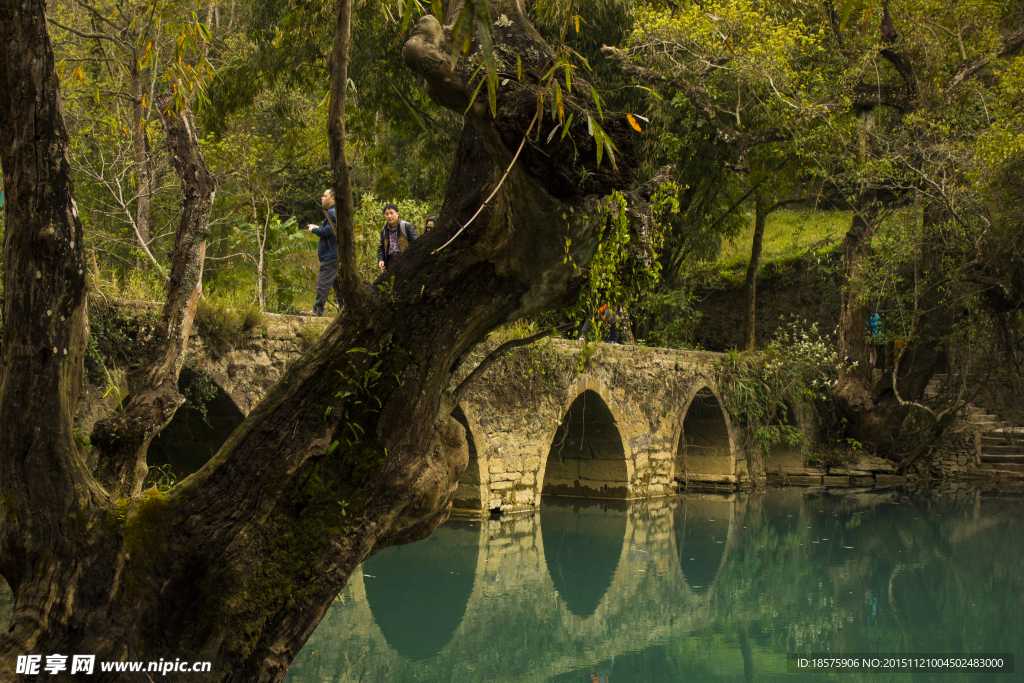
point(853, 390)
point(750, 284)
point(353, 450)
point(935, 314)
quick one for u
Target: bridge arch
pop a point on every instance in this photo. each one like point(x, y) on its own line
point(195, 433)
point(588, 456)
point(471, 493)
point(706, 452)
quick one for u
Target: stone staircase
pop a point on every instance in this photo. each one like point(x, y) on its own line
point(1002, 447)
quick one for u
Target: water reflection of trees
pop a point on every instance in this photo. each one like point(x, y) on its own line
point(877, 573)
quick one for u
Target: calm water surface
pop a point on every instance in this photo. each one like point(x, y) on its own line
point(698, 587)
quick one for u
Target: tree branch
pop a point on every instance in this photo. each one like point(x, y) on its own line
point(1011, 46)
point(740, 139)
point(497, 353)
point(82, 34)
point(124, 439)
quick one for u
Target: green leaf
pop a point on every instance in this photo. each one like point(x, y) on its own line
point(492, 93)
point(477, 91)
point(462, 31)
point(845, 13)
point(568, 124)
point(407, 9)
point(597, 102)
point(492, 69)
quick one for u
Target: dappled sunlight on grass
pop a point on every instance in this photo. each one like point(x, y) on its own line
point(788, 234)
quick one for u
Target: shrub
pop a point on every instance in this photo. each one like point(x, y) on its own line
point(799, 366)
point(221, 325)
point(311, 331)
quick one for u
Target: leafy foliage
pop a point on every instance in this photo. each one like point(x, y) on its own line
point(799, 368)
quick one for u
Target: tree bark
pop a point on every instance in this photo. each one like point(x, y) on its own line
point(936, 316)
point(352, 451)
point(140, 148)
point(750, 283)
point(355, 297)
point(853, 389)
point(44, 484)
point(122, 440)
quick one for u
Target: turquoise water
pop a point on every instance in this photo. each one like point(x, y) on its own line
point(696, 587)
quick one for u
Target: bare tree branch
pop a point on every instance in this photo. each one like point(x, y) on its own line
point(1012, 45)
point(82, 34)
point(497, 353)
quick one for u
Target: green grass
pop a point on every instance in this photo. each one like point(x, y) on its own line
point(787, 235)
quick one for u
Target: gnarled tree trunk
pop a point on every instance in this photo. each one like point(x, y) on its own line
point(123, 440)
point(353, 450)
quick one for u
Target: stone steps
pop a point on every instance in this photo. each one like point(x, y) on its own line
point(1002, 467)
point(934, 385)
point(990, 458)
point(994, 438)
point(1002, 450)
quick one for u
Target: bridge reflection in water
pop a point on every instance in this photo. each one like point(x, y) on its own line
point(418, 592)
point(582, 550)
point(698, 587)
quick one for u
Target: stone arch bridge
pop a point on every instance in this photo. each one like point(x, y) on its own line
point(553, 418)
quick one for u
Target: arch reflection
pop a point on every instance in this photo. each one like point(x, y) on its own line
point(702, 532)
point(582, 547)
point(418, 592)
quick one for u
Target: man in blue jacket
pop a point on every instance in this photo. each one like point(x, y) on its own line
point(327, 251)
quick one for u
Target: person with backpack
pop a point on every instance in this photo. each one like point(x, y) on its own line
point(395, 237)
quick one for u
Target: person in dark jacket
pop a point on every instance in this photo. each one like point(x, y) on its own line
point(395, 237)
point(327, 251)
